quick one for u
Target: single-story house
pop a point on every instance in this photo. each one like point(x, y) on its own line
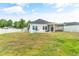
point(71, 27)
point(41, 25)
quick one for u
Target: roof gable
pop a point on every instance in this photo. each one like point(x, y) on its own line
point(40, 21)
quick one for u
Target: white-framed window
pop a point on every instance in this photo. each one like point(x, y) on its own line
point(44, 27)
point(35, 28)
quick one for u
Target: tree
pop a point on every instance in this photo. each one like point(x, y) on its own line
point(28, 23)
point(16, 24)
point(3, 23)
point(9, 23)
point(21, 23)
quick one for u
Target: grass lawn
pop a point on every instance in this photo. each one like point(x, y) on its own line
point(39, 44)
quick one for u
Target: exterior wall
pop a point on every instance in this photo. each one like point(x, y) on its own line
point(40, 27)
point(71, 28)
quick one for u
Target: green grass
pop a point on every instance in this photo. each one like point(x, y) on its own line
point(39, 44)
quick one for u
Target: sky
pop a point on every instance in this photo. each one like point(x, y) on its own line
point(53, 12)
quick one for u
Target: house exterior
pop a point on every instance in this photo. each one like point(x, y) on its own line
point(71, 27)
point(40, 25)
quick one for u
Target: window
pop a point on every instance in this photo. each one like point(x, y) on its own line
point(44, 27)
point(35, 28)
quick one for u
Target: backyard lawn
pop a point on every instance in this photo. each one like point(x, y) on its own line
point(39, 44)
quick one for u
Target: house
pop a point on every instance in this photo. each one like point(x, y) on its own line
point(41, 25)
point(71, 27)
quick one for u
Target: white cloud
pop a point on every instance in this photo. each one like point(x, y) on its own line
point(60, 6)
point(61, 16)
point(76, 5)
point(60, 10)
point(40, 1)
point(53, 17)
point(33, 10)
point(20, 4)
point(23, 4)
point(57, 17)
point(14, 9)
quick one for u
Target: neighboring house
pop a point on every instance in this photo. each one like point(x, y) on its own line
point(71, 27)
point(40, 25)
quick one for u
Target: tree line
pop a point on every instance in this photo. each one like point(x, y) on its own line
point(16, 24)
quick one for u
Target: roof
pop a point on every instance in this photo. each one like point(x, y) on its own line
point(59, 24)
point(40, 21)
point(71, 23)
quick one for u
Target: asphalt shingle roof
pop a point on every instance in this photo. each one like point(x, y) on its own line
point(71, 23)
point(40, 21)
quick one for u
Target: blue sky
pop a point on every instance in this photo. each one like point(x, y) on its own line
point(54, 12)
